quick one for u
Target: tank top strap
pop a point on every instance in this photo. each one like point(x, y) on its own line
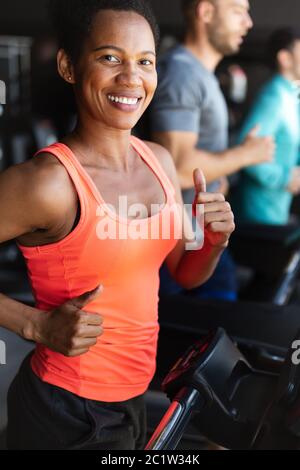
point(148, 155)
point(62, 153)
point(65, 156)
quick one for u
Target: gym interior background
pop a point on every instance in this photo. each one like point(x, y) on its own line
point(32, 116)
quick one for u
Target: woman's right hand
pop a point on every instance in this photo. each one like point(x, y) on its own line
point(69, 329)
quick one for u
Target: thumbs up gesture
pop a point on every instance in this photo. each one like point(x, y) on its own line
point(216, 212)
point(69, 329)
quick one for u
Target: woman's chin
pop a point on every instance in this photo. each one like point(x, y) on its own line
point(126, 126)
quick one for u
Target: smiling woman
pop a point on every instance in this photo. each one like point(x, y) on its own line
point(83, 387)
point(105, 74)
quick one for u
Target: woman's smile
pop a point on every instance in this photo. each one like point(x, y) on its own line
point(125, 102)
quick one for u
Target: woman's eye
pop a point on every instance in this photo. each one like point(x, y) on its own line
point(146, 62)
point(110, 58)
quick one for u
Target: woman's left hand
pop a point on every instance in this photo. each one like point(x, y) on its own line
point(216, 211)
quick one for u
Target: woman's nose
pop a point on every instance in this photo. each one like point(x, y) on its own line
point(129, 76)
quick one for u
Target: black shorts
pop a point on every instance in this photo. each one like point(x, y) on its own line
point(42, 416)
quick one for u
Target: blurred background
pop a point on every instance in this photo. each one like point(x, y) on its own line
point(40, 104)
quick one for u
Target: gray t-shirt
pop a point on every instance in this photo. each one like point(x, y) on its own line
point(189, 98)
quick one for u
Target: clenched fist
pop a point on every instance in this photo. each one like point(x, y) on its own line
point(69, 329)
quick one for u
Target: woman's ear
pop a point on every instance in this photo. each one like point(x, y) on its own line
point(65, 67)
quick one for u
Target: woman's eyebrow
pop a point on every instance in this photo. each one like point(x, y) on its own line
point(119, 49)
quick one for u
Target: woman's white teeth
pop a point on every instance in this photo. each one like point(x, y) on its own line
point(123, 100)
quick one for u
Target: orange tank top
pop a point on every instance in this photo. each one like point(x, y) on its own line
point(122, 363)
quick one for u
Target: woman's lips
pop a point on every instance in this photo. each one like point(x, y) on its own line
point(129, 108)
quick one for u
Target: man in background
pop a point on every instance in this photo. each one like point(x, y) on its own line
point(264, 193)
point(189, 115)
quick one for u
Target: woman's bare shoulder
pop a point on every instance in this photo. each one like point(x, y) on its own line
point(33, 195)
point(47, 178)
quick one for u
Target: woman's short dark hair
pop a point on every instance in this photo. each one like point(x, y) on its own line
point(73, 19)
point(281, 39)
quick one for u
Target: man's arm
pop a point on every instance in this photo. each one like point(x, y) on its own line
point(182, 146)
point(175, 116)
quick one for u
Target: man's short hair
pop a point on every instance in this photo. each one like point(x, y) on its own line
point(188, 8)
point(281, 39)
point(188, 5)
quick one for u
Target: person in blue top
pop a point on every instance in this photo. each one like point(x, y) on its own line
point(265, 191)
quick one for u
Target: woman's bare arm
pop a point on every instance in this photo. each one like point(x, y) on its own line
point(37, 195)
point(192, 268)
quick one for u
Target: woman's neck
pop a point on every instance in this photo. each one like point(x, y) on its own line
point(102, 147)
